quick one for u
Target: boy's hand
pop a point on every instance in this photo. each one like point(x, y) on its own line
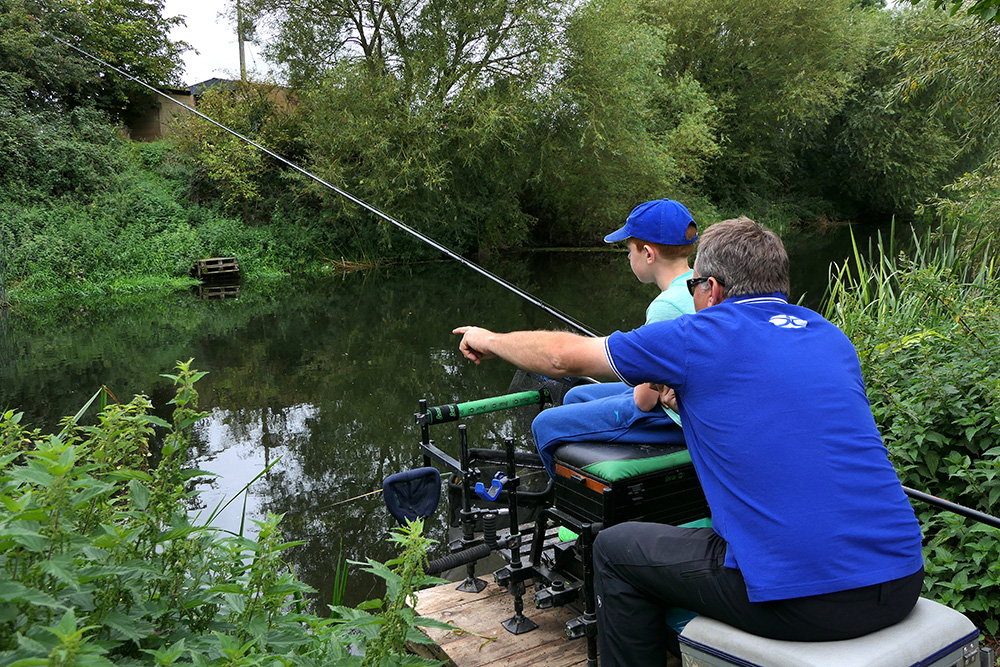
point(665, 396)
point(668, 398)
point(646, 396)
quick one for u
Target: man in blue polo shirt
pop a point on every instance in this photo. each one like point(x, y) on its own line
point(813, 538)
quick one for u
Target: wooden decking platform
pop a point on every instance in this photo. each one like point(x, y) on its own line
point(479, 616)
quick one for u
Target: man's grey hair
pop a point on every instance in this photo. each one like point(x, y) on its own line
point(745, 257)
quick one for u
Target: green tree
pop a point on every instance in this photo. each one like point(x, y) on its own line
point(883, 155)
point(438, 49)
point(129, 34)
point(226, 167)
point(616, 132)
point(952, 64)
point(984, 9)
point(420, 108)
point(778, 70)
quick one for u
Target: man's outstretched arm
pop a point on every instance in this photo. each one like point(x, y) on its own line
point(553, 353)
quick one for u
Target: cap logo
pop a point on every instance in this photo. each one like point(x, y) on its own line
point(788, 322)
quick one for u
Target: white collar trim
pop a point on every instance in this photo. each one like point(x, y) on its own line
point(763, 299)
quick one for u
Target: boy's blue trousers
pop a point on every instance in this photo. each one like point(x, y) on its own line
point(601, 412)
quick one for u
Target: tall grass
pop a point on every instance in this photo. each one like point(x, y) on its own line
point(926, 324)
point(876, 286)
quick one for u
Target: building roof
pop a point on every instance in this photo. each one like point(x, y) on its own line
point(223, 84)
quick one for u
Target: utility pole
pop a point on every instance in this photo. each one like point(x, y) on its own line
point(239, 38)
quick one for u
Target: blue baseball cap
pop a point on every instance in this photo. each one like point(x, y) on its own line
point(661, 221)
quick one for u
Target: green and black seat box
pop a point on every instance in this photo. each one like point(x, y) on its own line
point(611, 483)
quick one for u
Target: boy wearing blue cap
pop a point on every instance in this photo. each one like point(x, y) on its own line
point(660, 235)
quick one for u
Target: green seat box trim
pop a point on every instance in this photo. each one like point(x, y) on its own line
point(566, 535)
point(614, 471)
point(698, 523)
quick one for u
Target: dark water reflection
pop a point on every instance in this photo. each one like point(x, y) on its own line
point(321, 378)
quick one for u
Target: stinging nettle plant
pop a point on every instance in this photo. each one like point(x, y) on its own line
point(101, 565)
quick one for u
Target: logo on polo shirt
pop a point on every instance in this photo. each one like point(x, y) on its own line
point(788, 322)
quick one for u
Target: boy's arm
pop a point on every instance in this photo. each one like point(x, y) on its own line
point(647, 398)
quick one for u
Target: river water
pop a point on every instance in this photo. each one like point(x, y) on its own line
point(320, 378)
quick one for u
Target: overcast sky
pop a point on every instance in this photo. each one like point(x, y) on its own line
point(214, 38)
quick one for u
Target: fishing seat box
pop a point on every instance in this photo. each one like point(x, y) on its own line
point(610, 483)
point(932, 635)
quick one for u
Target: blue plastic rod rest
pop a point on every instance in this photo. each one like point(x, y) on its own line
point(496, 486)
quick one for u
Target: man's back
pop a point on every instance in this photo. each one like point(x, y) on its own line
point(785, 445)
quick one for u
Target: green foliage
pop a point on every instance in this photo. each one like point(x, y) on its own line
point(448, 169)
point(777, 70)
point(135, 223)
point(83, 211)
point(984, 9)
point(617, 132)
point(45, 154)
point(225, 167)
point(883, 154)
point(437, 50)
point(403, 577)
point(101, 564)
point(426, 120)
point(128, 34)
point(945, 63)
point(927, 328)
point(482, 125)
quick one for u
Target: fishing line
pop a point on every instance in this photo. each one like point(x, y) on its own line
point(348, 500)
point(551, 310)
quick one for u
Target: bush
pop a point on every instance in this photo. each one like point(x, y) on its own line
point(101, 564)
point(927, 330)
point(138, 224)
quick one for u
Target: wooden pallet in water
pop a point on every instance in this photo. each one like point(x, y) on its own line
point(217, 267)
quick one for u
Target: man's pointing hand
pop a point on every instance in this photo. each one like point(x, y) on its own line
point(474, 343)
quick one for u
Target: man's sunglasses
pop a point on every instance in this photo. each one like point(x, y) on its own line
point(694, 282)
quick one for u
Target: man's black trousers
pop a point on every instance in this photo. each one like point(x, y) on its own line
point(643, 569)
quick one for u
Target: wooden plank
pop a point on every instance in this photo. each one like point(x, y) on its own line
point(478, 615)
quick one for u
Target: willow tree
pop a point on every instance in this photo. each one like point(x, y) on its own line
point(419, 106)
point(987, 10)
point(616, 132)
point(885, 154)
point(778, 70)
point(955, 64)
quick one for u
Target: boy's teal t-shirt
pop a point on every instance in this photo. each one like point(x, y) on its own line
point(672, 302)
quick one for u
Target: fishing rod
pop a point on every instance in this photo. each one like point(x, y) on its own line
point(551, 310)
point(955, 508)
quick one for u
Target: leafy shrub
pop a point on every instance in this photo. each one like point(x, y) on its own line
point(101, 565)
point(138, 224)
point(927, 330)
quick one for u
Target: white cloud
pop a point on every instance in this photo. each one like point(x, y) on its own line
point(213, 35)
